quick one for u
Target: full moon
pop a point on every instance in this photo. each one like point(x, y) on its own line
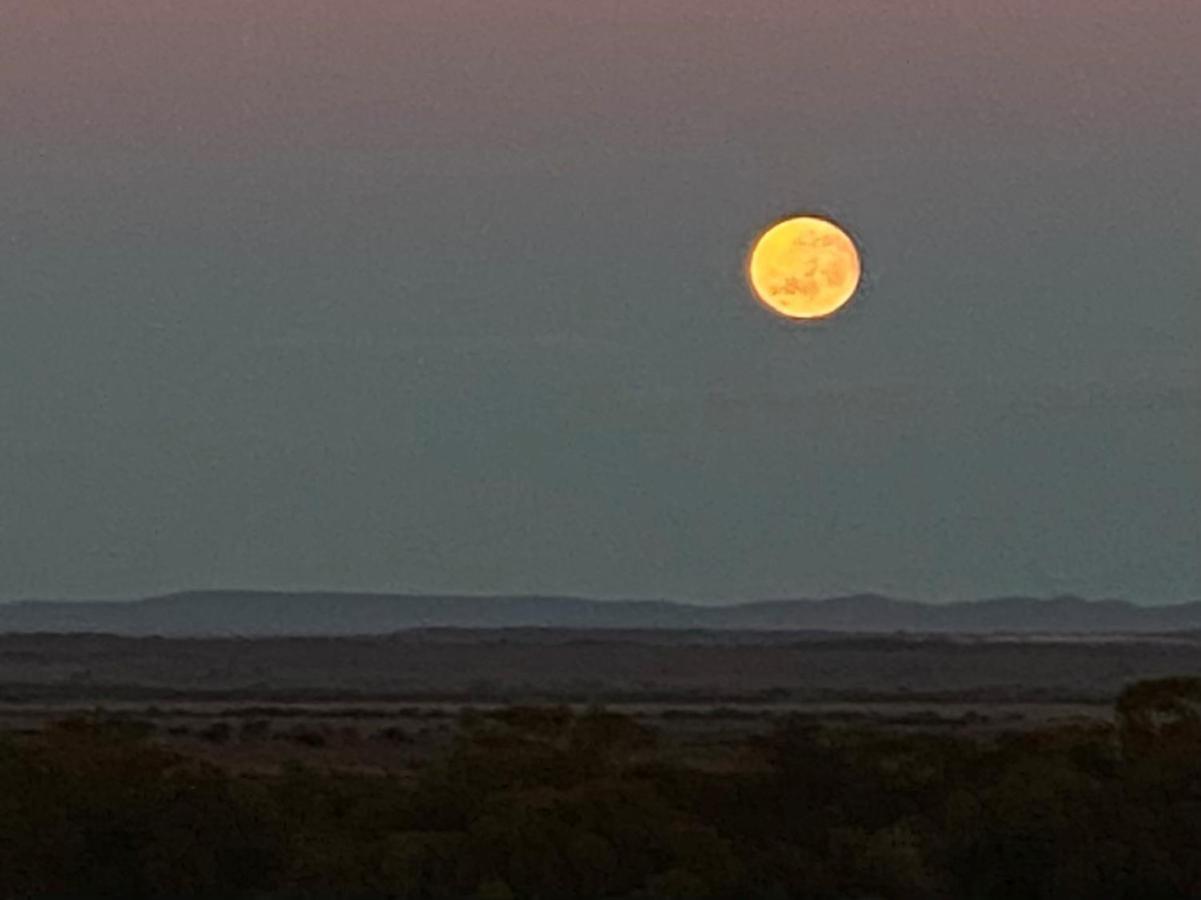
point(804, 267)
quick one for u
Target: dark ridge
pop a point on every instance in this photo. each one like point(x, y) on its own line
point(265, 613)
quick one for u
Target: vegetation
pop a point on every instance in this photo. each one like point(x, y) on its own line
point(545, 803)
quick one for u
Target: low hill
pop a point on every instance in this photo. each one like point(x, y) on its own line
point(261, 614)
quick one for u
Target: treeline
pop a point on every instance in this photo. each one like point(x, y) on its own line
point(544, 803)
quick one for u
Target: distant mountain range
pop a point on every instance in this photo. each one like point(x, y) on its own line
point(259, 614)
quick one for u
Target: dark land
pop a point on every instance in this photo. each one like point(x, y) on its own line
point(598, 762)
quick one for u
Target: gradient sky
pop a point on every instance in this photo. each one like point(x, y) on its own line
point(447, 295)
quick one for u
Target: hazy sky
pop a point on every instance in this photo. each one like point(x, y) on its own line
point(447, 295)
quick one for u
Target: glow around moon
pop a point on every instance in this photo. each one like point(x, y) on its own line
point(804, 268)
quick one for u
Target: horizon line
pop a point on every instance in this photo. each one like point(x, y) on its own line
point(585, 598)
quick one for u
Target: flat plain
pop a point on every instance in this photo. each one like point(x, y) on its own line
point(388, 702)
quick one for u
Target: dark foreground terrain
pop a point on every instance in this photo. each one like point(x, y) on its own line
point(547, 763)
point(547, 802)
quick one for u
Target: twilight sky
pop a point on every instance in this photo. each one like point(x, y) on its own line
point(447, 295)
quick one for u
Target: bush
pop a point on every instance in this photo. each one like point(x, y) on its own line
point(546, 803)
point(216, 733)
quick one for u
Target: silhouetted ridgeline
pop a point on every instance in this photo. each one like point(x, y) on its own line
point(253, 613)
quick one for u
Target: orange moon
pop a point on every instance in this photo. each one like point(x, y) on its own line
point(804, 268)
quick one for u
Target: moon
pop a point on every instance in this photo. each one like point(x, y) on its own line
point(805, 267)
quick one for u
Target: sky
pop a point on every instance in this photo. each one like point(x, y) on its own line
point(448, 295)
